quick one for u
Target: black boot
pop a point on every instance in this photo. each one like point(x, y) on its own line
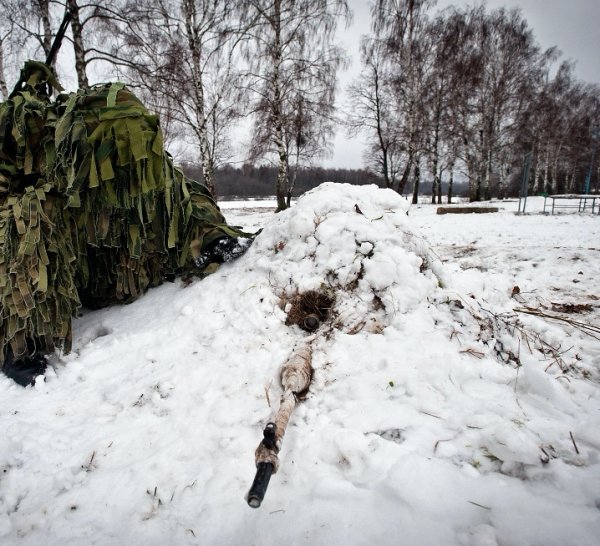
point(222, 250)
point(25, 369)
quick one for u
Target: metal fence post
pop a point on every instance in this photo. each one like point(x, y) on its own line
point(588, 177)
point(525, 181)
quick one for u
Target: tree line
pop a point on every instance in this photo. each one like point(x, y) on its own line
point(252, 180)
point(468, 92)
point(460, 95)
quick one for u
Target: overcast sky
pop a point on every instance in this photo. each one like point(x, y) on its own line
point(572, 25)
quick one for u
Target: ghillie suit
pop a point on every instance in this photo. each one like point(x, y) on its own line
point(92, 210)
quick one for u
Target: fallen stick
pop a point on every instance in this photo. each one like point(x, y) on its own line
point(296, 375)
point(591, 330)
point(466, 210)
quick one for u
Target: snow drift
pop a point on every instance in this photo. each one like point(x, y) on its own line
point(426, 421)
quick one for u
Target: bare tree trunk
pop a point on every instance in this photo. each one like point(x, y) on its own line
point(415, 199)
point(385, 167)
point(43, 7)
point(202, 134)
point(282, 173)
point(436, 188)
point(3, 87)
point(554, 181)
point(479, 169)
point(78, 48)
point(546, 181)
point(201, 130)
point(450, 184)
point(437, 183)
point(570, 182)
point(293, 175)
point(405, 175)
point(487, 193)
point(382, 144)
point(537, 179)
point(475, 189)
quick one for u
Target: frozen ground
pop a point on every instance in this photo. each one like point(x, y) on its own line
point(441, 410)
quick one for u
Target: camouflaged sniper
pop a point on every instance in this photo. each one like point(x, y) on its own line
point(92, 210)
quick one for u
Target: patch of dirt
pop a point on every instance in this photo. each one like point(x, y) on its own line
point(309, 310)
point(571, 307)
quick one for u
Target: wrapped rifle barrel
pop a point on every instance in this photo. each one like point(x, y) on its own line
point(296, 375)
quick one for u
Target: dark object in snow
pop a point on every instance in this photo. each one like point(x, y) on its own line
point(222, 250)
point(309, 309)
point(311, 322)
point(466, 210)
point(264, 470)
point(24, 370)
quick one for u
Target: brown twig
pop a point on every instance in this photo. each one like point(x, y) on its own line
point(438, 443)
point(89, 467)
point(590, 329)
point(480, 505)
point(431, 414)
point(267, 388)
point(574, 444)
point(473, 352)
point(455, 333)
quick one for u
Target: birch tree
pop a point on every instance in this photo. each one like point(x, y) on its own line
point(445, 78)
point(30, 21)
point(78, 44)
point(95, 26)
point(6, 40)
point(371, 113)
point(507, 57)
point(291, 53)
point(401, 25)
point(563, 113)
point(35, 23)
point(181, 57)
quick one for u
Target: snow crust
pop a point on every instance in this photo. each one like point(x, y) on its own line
point(421, 427)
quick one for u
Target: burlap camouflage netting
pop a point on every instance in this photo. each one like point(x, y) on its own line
point(92, 209)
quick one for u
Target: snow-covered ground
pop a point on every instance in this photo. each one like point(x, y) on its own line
point(442, 411)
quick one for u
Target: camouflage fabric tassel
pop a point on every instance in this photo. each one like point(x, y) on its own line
point(92, 209)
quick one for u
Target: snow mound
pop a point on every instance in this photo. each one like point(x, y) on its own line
point(426, 421)
point(356, 242)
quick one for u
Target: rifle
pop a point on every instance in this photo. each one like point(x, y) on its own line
point(58, 38)
point(296, 375)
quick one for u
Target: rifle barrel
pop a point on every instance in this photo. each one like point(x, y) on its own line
point(296, 375)
point(260, 484)
point(58, 38)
